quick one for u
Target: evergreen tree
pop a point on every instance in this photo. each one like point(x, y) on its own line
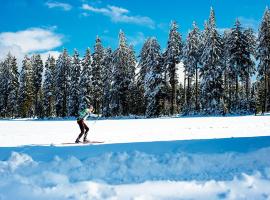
point(263, 55)
point(62, 88)
point(211, 71)
point(153, 79)
point(141, 76)
point(192, 55)
point(74, 100)
point(9, 84)
point(249, 68)
point(107, 82)
point(26, 89)
point(49, 88)
point(86, 85)
point(172, 57)
point(96, 75)
point(37, 66)
point(240, 45)
point(228, 80)
point(121, 77)
point(132, 95)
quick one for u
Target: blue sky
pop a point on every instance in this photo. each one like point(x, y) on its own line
point(46, 26)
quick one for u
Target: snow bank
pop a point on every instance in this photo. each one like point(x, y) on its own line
point(70, 179)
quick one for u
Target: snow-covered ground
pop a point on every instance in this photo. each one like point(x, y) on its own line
point(27, 132)
point(166, 158)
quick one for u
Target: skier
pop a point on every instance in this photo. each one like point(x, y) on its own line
point(80, 120)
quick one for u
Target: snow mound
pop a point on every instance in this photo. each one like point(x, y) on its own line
point(56, 186)
point(138, 175)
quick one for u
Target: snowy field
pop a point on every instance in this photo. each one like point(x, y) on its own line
point(144, 159)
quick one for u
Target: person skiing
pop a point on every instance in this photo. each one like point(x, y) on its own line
point(83, 127)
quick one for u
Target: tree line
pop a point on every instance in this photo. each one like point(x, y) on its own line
point(224, 73)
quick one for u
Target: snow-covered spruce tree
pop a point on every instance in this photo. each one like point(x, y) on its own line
point(86, 87)
point(191, 58)
point(153, 79)
point(121, 77)
point(97, 68)
point(240, 47)
point(172, 57)
point(107, 81)
point(74, 100)
point(141, 76)
point(37, 66)
point(49, 88)
point(9, 85)
point(211, 71)
point(132, 95)
point(249, 69)
point(26, 90)
point(228, 81)
point(62, 93)
point(263, 55)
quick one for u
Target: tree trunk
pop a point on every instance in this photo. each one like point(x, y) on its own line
point(196, 89)
point(247, 91)
point(265, 91)
point(173, 98)
point(188, 93)
point(185, 92)
point(236, 92)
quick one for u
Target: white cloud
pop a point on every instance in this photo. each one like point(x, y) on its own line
point(28, 41)
point(118, 14)
point(55, 4)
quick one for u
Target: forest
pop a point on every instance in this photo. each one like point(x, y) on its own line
point(224, 73)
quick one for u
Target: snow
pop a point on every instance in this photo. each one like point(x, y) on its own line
point(29, 132)
point(165, 158)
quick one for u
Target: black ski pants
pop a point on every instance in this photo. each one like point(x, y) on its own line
point(84, 129)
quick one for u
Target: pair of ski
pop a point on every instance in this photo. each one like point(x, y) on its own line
point(85, 142)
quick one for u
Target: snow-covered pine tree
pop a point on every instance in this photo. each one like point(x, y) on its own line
point(141, 76)
point(205, 34)
point(228, 81)
point(86, 87)
point(74, 100)
point(263, 55)
point(63, 66)
point(97, 68)
point(107, 81)
point(241, 67)
point(211, 71)
point(249, 69)
point(132, 95)
point(37, 66)
point(26, 90)
point(121, 78)
point(172, 57)
point(49, 88)
point(191, 60)
point(9, 85)
point(153, 79)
